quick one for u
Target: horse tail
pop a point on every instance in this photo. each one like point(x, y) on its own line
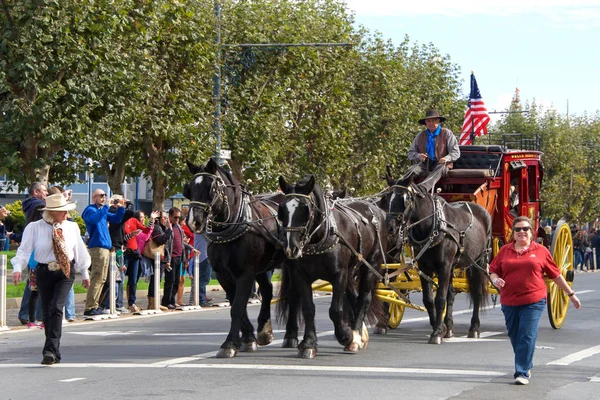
point(478, 276)
point(288, 297)
point(376, 311)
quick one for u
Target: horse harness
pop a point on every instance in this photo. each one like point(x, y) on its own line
point(333, 235)
point(440, 228)
point(241, 222)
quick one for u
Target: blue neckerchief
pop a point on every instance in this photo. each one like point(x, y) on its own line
point(431, 141)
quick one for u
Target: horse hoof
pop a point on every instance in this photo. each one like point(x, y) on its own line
point(474, 335)
point(226, 353)
point(434, 339)
point(352, 348)
point(289, 343)
point(364, 337)
point(249, 347)
point(444, 330)
point(380, 330)
point(265, 338)
point(449, 334)
point(307, 354)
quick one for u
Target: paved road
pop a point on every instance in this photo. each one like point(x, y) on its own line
point(172, 355)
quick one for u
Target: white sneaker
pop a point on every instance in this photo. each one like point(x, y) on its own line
point(521, 380)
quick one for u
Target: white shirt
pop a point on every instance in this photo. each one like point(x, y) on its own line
point(37, 239)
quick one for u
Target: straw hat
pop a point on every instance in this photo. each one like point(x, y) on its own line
point(57, 202)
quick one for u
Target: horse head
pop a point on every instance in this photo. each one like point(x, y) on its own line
point(206, 192)
point(402, 198)
point(297, 213)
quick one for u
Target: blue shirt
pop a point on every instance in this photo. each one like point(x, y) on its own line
point(96, 222)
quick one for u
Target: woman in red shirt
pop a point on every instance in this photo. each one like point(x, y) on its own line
point(518, 270)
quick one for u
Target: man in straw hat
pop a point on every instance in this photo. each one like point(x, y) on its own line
point(436, 145)
point(59, 251)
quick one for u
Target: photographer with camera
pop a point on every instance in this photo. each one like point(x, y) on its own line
point(160, 238)
point(135, 229)
point(96, 217)
point(118, 239)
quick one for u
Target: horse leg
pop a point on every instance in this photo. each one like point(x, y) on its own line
point(448, 319)
point(382, 323)
point(265, 331)
point(290, 339)
point(230, 346)
point(238, 298)
point(477, 298)
point(343, 333)
point(359, 332)
point(428, 300)
point(308, 347)
point(440, 303)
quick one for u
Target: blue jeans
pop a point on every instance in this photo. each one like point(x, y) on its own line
point(24, 310)
point(70, 305)
point(577, 259)
point(133, 275)
point(522, 324)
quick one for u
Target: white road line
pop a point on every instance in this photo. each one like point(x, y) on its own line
point(72, 380)
point(323, 368)
point(212, 354)
point(580, 355)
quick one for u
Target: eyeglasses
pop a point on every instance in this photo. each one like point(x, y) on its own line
point(524, 229)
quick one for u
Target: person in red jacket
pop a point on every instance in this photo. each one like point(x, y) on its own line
point(518, 271)
point(133, 256)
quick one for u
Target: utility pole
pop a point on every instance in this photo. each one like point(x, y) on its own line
point(220, 154)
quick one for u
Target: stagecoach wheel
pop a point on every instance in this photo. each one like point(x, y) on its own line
point(562, 253)
point(396, 314)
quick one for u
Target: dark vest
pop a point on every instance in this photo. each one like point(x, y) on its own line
point(441, 150)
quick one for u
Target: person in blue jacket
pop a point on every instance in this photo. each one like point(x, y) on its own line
point(96, 217)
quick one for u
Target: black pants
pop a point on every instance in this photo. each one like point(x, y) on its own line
point(54, 287)
point(172, 281)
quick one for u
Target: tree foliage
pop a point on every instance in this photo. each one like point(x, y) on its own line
point(124, 87)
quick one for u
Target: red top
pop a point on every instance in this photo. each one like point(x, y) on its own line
point(523, 274)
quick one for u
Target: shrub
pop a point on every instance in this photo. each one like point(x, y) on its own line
point(15, 221)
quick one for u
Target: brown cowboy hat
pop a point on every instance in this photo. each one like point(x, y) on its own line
point(431, 114)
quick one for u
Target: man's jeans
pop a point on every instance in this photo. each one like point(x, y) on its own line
point(522, 324)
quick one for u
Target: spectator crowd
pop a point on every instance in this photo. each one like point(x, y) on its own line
point(113, 227)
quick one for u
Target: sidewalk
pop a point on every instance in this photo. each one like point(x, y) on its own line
point(12, 312)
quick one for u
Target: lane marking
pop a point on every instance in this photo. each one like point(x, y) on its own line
point(205, 333)
point(212, 354)
point(72, 380)
point(323, 368)
point(578, 356)
point(105, 333)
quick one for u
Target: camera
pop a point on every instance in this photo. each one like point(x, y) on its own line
point(116, 201)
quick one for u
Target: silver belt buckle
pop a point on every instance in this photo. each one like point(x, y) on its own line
point(53, 266)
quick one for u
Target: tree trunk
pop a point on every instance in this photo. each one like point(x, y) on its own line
point(115, 174)
point(35, 160)
point(156, 166)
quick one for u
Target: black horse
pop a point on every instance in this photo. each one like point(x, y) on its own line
point(445, 236)
point(342, 242)
point(243, 232)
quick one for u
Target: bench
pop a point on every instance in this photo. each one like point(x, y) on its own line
point(478, 162)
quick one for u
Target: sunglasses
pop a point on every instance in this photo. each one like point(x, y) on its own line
point(101, 195)
point(176, 217)
point(524, 229)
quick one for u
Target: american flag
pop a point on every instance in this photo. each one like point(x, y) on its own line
point(476, 116)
